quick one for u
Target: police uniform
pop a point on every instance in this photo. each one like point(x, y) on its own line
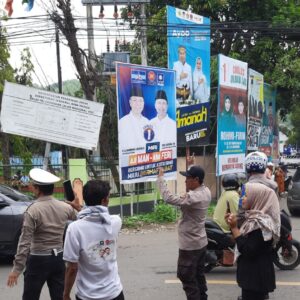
point(41, 242)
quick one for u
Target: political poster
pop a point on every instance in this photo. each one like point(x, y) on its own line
point(50, 117)
point(255, 108)
point(146, 122)
point(189, 56)
point(232, 115)
point(269, 129)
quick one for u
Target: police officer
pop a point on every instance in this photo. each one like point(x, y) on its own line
point(41, 242)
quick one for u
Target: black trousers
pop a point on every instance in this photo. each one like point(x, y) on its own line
point(41, 269)
point(190, 271)
point(120, 297)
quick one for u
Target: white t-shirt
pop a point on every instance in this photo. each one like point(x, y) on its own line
point(93, 246)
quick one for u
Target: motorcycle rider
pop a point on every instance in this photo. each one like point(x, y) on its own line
point(256, 163)
point(230, 183)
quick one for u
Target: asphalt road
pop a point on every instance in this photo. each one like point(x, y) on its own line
point(147, 265)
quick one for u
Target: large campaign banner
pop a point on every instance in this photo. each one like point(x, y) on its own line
point(232, 115)
point(256, 108)
point(189, 56)
point(269, 131)
point(146, 127)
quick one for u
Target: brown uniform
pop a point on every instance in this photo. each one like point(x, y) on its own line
point(43, 229)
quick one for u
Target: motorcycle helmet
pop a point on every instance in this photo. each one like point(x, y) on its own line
point(256, 162)
point(230, 182)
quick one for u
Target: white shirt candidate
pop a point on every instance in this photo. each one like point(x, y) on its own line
point(183, 71)
point(164, 127)
point(131, 126)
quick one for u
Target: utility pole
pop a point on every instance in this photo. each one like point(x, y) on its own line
point(92, 53)
point(144, 35)
point(64, 148)
point(91, 44)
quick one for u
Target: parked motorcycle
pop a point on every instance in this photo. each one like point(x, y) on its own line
point(220, 248)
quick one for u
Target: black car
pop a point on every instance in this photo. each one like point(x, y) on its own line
point(12, 207)
point(293, 199)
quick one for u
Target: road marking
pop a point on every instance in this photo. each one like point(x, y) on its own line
point(233, 282)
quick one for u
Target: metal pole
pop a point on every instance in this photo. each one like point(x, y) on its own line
point(90, 36)
point(46, 156)
point(59, 77)
point(121, 201)
point(144, 35)
point(92, 53)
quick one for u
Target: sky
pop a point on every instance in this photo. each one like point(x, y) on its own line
point(38, 35)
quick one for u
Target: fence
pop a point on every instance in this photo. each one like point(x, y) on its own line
point(126, 199)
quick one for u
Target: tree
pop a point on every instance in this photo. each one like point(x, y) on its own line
point(6, 73)
point(90, 78)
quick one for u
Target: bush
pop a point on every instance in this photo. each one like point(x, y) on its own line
point(163, 213)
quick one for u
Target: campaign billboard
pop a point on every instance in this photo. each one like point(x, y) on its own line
point(189, 56)
point(232, 115)
point(269, 131)
point(256, 108)
point(50, 117)
point(146, 122)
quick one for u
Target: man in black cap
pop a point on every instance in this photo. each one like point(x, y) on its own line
point(191, 230)
point(131, 126)
point(40, 245)
point(164, 127)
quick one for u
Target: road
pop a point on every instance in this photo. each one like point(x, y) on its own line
point(147, 265)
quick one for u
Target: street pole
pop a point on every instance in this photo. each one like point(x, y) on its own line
point(91, 44)
point(144, 35)
point(92, 54)
point(59, 78)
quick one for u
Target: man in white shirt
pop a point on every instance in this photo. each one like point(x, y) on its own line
point(184, 84)
point(132, 126)
point(90, 248)
point(164, 127)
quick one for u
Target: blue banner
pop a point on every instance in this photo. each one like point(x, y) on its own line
point(147, 126)
point(189, 56)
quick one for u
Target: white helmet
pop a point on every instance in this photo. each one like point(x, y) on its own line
point(256, 162)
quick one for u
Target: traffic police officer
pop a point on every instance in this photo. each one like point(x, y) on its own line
point(41, 242)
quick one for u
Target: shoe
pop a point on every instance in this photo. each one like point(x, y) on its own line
point(267, 296)
point(239, 298)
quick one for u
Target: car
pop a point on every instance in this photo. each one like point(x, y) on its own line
point(293, 198)
point(12, 207)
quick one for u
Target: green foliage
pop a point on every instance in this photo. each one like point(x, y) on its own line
point(163, 213)
point(24, 72)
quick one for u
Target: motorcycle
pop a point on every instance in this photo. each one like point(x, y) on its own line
point(220, 248)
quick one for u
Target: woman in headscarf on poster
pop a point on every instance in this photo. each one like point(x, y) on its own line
point(201, 91)
point(227, 118)
point(255, 240)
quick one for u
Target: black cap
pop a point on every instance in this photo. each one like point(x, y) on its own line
point(136, 91)
point(194, 171)
point(161, 94)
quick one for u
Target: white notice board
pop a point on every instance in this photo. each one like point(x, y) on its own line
point(50, 117)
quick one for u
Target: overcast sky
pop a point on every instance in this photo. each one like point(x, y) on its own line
point(44, 54)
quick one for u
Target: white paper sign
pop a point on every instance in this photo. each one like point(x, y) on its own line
point(50, 117)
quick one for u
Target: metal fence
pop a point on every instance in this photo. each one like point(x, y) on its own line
point(127, 199)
